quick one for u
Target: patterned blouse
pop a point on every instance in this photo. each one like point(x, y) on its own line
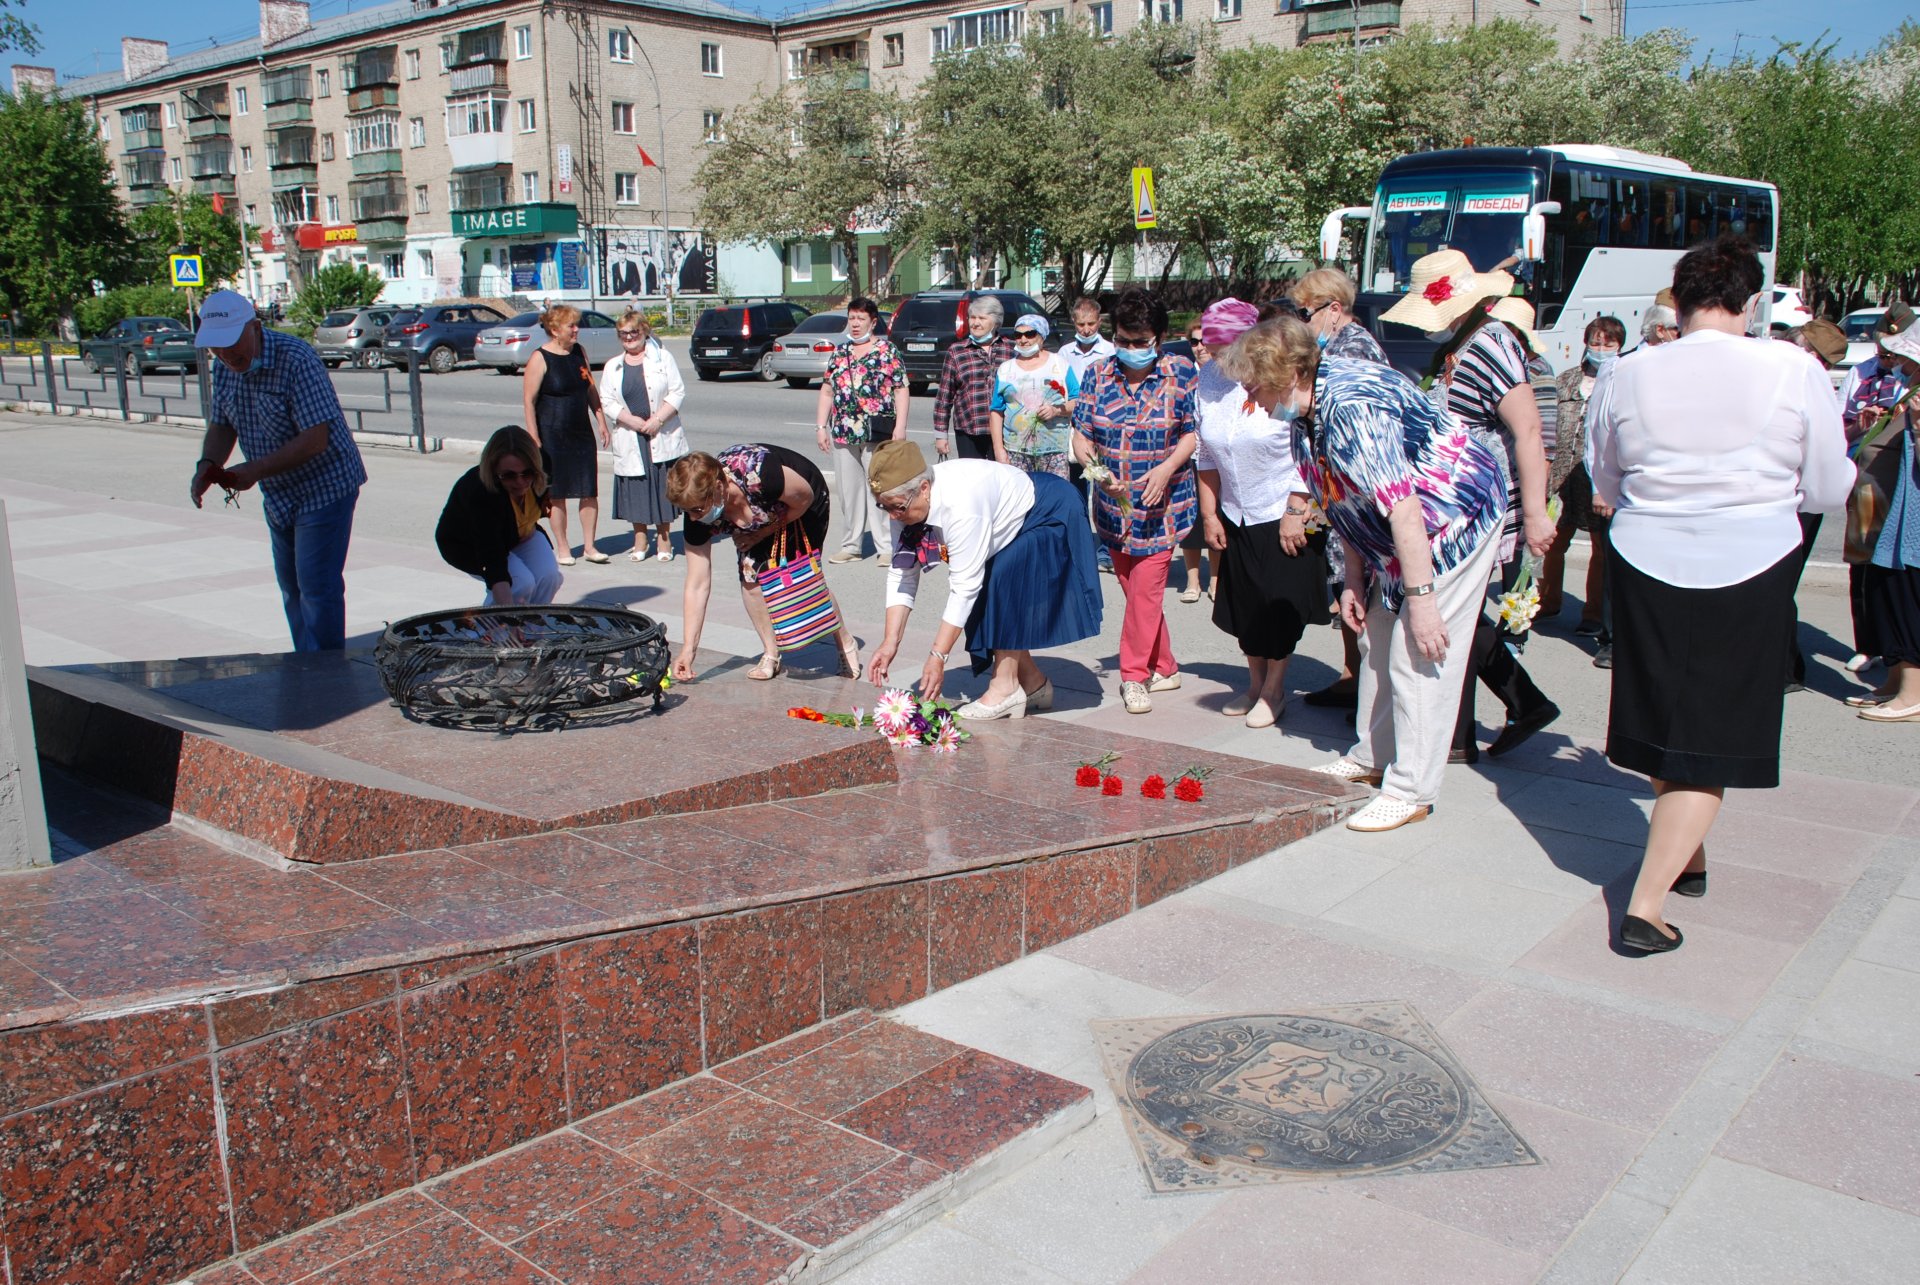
point(862, 388)
point(1492, 364)
point(1134, 428)
point(1373, 440)
point(762, 475)
point(1354, 342)
point(1019, 395)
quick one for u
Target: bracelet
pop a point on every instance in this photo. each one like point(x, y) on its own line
point(940, 656)
point(1296, 513)
point(1417, 591)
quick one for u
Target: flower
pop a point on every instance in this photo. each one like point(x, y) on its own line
point(900, 738)
point(893, 704)
point(859, 716)
point(1439, 291)
point(1518, 607)
point(1188, 790)
point(1154, 787)
point(946, 740)
point(1087, 776)
point(1112, 785)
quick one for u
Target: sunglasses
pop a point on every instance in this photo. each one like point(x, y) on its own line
point(1026, 334)
point(1118, 342)
point(513, 475)
point(1307, 314)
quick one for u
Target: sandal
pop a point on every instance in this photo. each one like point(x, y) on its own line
point(638, 555)
point(769, 667)
point(850, 662)
point(594, 555)
point(566, 559)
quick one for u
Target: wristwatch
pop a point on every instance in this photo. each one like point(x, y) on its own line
point(1417, 591)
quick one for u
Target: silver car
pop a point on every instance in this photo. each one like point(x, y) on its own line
point(800, 356)
point(351, 336)
point(508, 347)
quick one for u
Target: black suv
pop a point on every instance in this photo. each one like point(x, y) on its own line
point(929, 323)
point(741, 337)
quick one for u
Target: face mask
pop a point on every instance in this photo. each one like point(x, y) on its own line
point(1086, 341)
point(982, 340)
point(712, 516)
point(259, 360)
point(1137, 358)
point(1322, 340)
point(1601, 360)
point(1027, 350)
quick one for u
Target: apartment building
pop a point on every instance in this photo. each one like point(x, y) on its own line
point(548, 147)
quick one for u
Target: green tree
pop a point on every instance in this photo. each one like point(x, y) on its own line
point(16, 33)
point(96, 314)
point(338, 285)
point(61, 227)
point(187, 219)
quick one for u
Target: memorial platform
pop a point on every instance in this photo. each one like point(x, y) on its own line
point(218, 1028)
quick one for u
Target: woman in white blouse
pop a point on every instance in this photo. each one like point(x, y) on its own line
point(640, 395)
point(1253, 510)
point(1706, 448)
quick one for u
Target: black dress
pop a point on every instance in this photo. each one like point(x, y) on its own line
point(563, 408)
point(761, 471)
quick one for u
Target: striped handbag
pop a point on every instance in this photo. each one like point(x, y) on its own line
point(795, 590)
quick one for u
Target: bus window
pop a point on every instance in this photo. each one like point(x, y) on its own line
point(1760, 218)
point(1630, 214)
point(1746, 212)
point(1700, 219)
point(1590, 215)
point(1669, 218)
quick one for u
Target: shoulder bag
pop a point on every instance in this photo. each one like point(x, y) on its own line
point(795, 590)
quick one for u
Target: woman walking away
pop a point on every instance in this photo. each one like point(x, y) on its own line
point(563, 414)
point(490, 528)
point(1892, 579)
point(1253, 506)
point(640, 396)
point(1706, 448)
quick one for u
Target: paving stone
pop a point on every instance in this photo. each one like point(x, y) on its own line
point(1869, 1007)
point(1851, 1131)
point(1464, 915)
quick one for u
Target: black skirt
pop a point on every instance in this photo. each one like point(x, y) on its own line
point(1893, 613)
point(1699, 676)
point(1266, 597)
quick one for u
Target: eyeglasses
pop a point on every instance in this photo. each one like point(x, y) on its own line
point(513, 475)
point(627, 336)
point(894, 507)
point(1148, 342)
point(1026, 334)
point(1307, 314)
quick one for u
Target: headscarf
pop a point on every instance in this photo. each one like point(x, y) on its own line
point(1225, 321)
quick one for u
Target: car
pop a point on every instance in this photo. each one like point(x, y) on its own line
point(1858, 327)
point(740, 337)
point(443, 334)
point(351, 336)
point(800, 356)
point(506, 347)
point(1789, 309)
point(140, 344)
point(931, 322)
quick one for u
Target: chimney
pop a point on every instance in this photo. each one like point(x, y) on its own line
point(39, 79)
point(282, 20)
point(141, 57)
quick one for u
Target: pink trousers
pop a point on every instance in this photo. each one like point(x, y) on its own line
point(1145, 647)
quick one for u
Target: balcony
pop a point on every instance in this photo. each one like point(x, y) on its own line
point(144, 172)
point(378, 200)
point(141, 197)
point(287, 85)
point(1378, 16)
point(207, 101)
point(480, 191)
point(292, 176)
point(369, 98)
point(477, 78)
point(381, 162)
point(296, 206)
point(215, 185)
point(480, 151)
point(382, 229)
point(292, 111)
point(138, 140)
point(209, 162)
point(208, 127)
point(479, 44)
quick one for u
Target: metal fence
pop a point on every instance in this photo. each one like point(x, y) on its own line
point(383, 400)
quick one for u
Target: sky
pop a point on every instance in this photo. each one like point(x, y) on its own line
point(80, 37)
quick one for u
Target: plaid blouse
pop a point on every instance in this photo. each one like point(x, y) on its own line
point(269, 407)
point(966, 386)
point(1133, 429)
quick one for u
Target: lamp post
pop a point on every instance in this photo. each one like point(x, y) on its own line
point(668, 270)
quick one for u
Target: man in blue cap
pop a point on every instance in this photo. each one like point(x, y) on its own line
point(272, 397)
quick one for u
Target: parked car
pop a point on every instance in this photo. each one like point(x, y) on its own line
point(741, 337)
point(1861, 344)
point(507, 347)
point(442, 333)
point(142, 343)
point(934, 320)
point(352, 336)
point(800, 356)
point(1789, 309)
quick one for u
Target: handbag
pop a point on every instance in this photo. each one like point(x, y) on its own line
point(1879, 463)
point(795, 591)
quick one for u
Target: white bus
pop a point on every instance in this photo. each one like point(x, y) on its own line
point(1588, 231)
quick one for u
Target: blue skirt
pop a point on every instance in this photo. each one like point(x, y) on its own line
point(1042, 590)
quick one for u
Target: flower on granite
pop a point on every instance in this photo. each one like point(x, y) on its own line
point(946, 740)
point(1112, 785)
point(859, 717)
point(1087, 776)
point(900, 736)
point(894, 705)
point(1188, 790)
point(1154, 787)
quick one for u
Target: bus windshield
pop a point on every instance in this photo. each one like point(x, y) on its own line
point(1478, 212)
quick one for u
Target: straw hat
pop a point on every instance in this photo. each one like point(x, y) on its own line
point(1445, 288)
point(1518, 313)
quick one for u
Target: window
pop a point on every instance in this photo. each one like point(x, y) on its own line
point(1054, 19)
point(252, 214)
point(1226, 10)
point(626, 189)
point(1100, 18)
point(323, 83)
point(623, 118)
point(710, 127)
point(1163, 11)
point(173, 170)
point(374, 134)
point(978, 30)
point(246, 160)
point(482, 114)
point(326, 147)
point(394, 265)
point(172, 115)
point(894, 49)
point(937, 41)
point(412, 57)
point(426, 260)
point(800, 261)
point(1586, 12)
point(333, 209)
point(529, 120)
point(710, 60)
point(796, 63)
point(240, 101)
point(837, 261)
point(529, 186)
point(417, 132)
point(420, 206)
point(620, 46)
point(446, 57)
point(523, 42)
point(106, 130)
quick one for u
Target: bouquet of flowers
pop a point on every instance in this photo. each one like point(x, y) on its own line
point(901, 719)
point(1316, 517)
point(1519, 605)
point(1099, 474)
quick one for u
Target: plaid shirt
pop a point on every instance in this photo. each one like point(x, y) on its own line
point(1133, 429)
point(269, 407)
point(966, 386)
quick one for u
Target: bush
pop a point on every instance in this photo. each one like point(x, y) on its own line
point(96, 314)
point(338, 285)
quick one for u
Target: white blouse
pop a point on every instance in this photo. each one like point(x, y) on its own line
point(1252, 451)
point(1707, 448)
point(665, 389)
point(978, 506)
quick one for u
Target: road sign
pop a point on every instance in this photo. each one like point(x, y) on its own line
point(186, 269)
point(1144, 210)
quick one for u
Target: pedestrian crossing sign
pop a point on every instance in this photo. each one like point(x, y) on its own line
point(186, 269)
point(1144, 215)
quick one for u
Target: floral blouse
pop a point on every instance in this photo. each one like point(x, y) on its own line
point(1019, 395)
point(862, 388)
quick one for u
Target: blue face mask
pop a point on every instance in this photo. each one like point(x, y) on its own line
point(1137, 358)
point(1322, 340)
point(1086, 341)
point(982, 340)
point(1601, 360)
point(712, 516)
point(1283, 412)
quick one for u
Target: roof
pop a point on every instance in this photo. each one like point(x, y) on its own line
point(328, 30)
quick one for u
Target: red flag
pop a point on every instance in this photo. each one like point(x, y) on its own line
point(645, 160)
point(219, 203)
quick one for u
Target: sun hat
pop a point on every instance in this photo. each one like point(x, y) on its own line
point(1518, 313)
point(1897, 318)
point(1033, 321)
point(1826, 339)
point(1225, 320)
point(893, 464)
point(1905, 344)
point(1444, 289)
point(223, 319)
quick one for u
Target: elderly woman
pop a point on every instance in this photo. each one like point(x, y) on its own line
point(755, 494)
point(864, 400)
point(1031, 420)
point(640, 395)
point(1706, 448)
point(1568, 478)
point(1253, 507)
point(1019, 564)
point(961, 403)
point(563, 414)
point(1891, 581)
point(1418, 502)
point(490, 528)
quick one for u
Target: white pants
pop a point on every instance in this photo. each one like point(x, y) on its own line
point(1408, 704)
point(859, 514)
point(536, 576)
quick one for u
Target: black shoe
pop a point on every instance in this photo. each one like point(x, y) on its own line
point(1521, 727)
point(1603, 657)
point(1342, 694)
point(1691, 883)
point(1795, 687)
point(1637, 934)
point(1469, 755)
point(1589, 629)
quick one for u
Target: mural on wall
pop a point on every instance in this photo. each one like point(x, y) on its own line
point(637, 261)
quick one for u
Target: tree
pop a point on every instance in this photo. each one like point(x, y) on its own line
point(16, 32)
point(338, 285)
point(187, 219)
point(981, 131)
point(102, 310)
point(61, 227)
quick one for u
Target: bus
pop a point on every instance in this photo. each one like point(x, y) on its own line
point(1586, 231)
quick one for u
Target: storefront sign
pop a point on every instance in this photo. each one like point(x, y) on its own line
point(518, 220)
point(310, 236)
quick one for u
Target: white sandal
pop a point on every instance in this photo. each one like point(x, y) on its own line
point(1387, 813)
point(1346, 769)
point(638, 555)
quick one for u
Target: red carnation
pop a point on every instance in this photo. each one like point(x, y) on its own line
point(1440, 291)
point(1088, 776)
point(1188, 790)
point(1154, 787)
point(1112, 785)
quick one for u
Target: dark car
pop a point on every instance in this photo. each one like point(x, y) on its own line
point(741, 337)
point(934, 320)
point(442, 333)
point(352, 336)
point(142, 343)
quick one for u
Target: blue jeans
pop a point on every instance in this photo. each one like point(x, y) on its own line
point(310, 562)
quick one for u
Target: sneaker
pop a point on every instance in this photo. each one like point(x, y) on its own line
point(1589, 629)
point(1603, 656)
point(845, 555)
point(1386, 813)
point(1163, 682)
point(1346, 769)
point(1134, 697)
